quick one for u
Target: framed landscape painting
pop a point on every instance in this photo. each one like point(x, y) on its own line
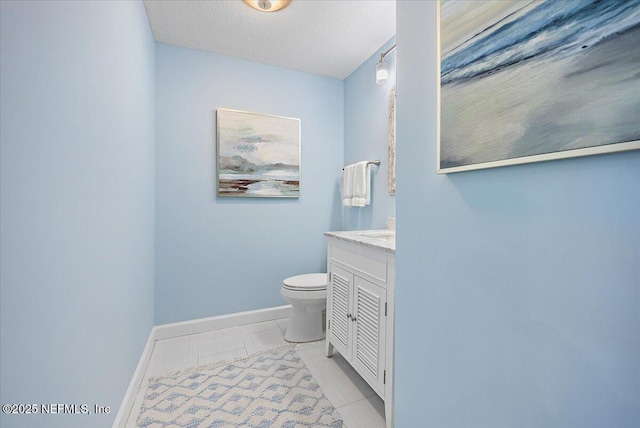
point(258, 155)
point(527, 81)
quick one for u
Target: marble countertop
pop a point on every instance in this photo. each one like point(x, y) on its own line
point(384, 240)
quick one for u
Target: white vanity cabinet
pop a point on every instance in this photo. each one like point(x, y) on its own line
point(360, 311)
point(357, 324)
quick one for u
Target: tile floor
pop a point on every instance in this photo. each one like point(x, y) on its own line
point(356, 402)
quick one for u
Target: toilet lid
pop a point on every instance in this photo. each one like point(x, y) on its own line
point(308, 282)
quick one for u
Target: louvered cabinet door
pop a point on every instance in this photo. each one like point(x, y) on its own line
point(369, 333)
point(340, 295)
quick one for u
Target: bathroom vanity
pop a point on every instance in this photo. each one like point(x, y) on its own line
point(361, 272)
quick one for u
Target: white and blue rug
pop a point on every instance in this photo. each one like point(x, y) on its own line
point(267, 390)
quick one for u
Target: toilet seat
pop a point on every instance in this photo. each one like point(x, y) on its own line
point(307, 282)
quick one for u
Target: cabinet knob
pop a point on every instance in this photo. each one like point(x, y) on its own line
point(354, 319)
point(348, 315)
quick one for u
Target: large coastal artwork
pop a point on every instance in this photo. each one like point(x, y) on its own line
point(258, 155)
point(526, 81)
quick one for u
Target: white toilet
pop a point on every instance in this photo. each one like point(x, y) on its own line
point(307, 295)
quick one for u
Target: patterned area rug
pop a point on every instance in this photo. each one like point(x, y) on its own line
point(269, 389)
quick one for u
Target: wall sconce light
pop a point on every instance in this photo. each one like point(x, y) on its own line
point(382, 67)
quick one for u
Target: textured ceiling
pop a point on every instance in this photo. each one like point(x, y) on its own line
point(327, 37)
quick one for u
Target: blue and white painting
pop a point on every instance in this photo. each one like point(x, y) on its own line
point(523, 81)
point(258, 155)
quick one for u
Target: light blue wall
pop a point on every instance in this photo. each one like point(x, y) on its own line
point(518, 288)
point(366, 112)
point(77, 200)
point(223, 255)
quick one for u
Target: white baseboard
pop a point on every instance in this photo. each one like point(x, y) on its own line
point(134, 384)
point(168, 331)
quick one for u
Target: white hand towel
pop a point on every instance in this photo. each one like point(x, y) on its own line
point(361, 185)
point(347, 185)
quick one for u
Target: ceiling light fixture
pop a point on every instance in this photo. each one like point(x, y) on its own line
point(268, 5)
point(382, 67)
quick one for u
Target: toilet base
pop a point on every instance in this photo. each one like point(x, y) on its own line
point(305, 325)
